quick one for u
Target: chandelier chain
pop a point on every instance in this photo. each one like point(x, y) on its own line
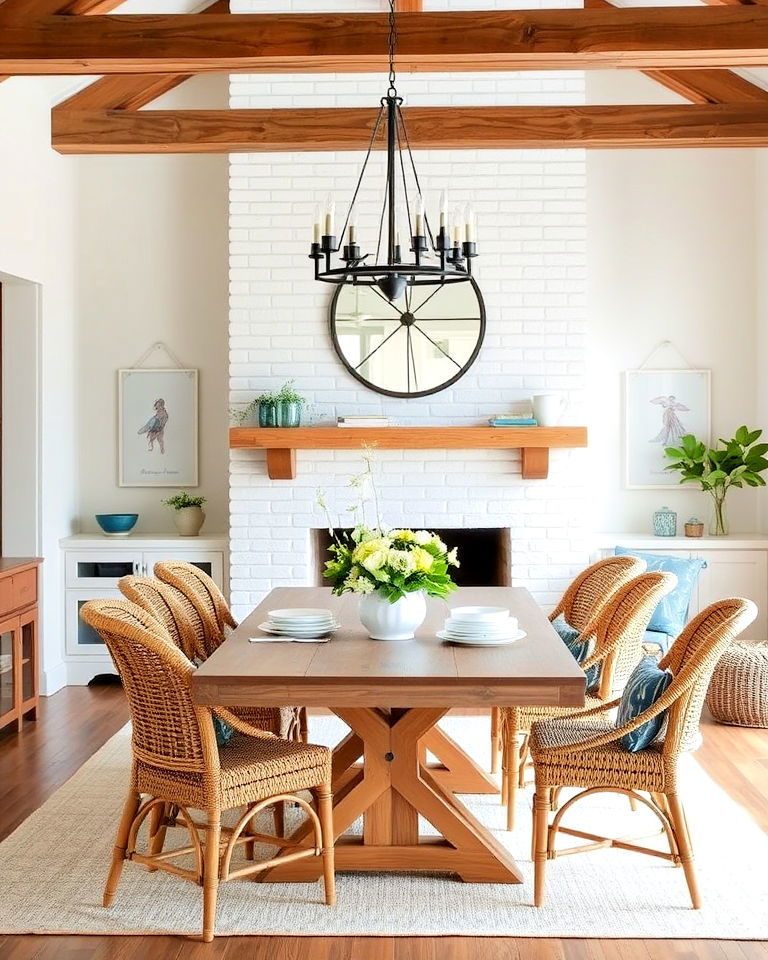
point(392, 92)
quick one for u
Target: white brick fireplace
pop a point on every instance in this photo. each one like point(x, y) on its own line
point(531, 270)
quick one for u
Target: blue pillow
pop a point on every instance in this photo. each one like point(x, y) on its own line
point(672, 612)
point(645, 685)
point(580, 649)
point(223, 731)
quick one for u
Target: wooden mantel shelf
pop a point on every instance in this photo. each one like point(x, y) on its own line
point(281, 443)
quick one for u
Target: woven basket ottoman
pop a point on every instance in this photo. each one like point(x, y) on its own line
point(738, 693)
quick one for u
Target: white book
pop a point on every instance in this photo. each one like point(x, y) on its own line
point(363, 422)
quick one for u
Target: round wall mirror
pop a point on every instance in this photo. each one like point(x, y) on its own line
point(411, 347)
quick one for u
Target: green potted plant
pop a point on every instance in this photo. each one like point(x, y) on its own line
point(731, 463)
point(188, 513)
point(289, 405)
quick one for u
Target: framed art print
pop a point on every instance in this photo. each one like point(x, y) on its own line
point(157, 428)
point(661, 406)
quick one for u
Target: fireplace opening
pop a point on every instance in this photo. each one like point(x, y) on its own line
point(484, 554)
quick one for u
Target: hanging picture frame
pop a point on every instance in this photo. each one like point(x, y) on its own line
point(157, 428)
point(660, 407)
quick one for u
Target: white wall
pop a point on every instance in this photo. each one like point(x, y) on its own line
point(37, 197)
point(152, 265)
point(671, 256)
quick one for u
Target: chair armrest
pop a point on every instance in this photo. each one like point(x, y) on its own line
point(242, 725)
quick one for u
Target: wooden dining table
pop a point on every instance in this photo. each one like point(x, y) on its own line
point(396, 764)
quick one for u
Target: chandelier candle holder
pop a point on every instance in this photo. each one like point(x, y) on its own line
point(440, 257)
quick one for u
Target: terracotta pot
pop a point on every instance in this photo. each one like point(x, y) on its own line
point(188, 520)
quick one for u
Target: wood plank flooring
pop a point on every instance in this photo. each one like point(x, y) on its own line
point(77, 721)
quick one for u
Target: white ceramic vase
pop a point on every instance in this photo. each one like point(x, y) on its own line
point(392, 621)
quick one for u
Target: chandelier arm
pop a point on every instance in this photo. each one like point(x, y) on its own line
point(362, 170)
point(436, 344)
point(375, 349)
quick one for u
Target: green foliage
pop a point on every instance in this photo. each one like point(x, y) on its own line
point(182, 499)
point(288, 394)
point(736, 462)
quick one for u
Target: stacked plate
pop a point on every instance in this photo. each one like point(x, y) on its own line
point(481, 627)
point(300, 622)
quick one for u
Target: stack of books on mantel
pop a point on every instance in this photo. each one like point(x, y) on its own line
point(511, 420)
point(369, 421)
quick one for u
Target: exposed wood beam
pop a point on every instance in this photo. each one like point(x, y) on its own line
point(225, 131)
point(634, 38)
point(701, 86)
point(26, 11)
point(131, 92)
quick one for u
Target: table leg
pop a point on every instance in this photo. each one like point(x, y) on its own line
point(457, 771)
point(390, 792)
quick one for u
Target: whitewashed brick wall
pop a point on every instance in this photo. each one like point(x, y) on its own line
point(531, 236)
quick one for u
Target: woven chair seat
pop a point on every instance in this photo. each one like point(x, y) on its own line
point(610, 763)
point(738, 693)
point(527, 716)
point(251, 769)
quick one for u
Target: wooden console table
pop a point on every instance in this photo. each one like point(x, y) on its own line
point(19, 641)
point(281, 443)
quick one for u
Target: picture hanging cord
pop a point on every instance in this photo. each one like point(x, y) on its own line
point(663, 345)
point(159, 345)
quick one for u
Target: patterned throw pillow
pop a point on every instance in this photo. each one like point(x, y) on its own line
point(672, 612)
point(580, 648)
point(224, 732)
point(644, 687)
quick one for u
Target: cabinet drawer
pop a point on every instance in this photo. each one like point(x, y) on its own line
point(100, 568)
point(6, 595)
point(24, 588)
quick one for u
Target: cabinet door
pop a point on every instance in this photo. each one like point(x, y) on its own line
point(209, 561)
point(100, 568)
point(28, 663)
point(737, 573)
point(81, 638)
point(9, 671)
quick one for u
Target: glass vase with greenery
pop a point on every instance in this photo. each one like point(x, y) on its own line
point(737, 462)
point(289, 405)
point(281, 408)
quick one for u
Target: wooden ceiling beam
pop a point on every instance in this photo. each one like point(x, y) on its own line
point(26, 11)
point(131, 92)
point(434, 128)
point(647, 38)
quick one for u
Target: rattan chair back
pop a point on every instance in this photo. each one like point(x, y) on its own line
point(169, 730)
point(593, 588)
point(692, 659)
point(162, 602)
point(203, 594)
point(621, 626)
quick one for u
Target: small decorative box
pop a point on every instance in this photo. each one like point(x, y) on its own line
point(665, 523)
point(694, 528)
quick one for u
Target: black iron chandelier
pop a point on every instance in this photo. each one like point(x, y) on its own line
point(440, 257)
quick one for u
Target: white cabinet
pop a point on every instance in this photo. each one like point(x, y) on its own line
point(736, 566)
point(93, 565)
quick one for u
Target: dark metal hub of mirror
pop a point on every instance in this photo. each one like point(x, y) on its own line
point(414, 349)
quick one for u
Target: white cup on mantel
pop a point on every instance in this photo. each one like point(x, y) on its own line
point(548, 408)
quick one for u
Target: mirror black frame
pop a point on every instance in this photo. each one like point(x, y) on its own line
point(396, 393)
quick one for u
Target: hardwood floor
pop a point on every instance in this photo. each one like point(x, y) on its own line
point(74, 723)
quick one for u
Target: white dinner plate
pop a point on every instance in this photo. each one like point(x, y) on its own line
point(301, 624)
point(301, 613)
point(501, 626)
point(475, 614)
point(480, 641)
point(314, 632)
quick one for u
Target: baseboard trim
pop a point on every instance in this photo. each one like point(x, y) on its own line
point(80, 672)
point(54, 679)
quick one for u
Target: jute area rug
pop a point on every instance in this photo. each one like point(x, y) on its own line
point(53, 867)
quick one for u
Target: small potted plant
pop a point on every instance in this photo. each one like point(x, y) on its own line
point(289, 405)
point(737, 462)
point(188, 513)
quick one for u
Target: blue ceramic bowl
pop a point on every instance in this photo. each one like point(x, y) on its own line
point(117, 524)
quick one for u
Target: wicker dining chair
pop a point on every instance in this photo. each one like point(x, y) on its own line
point(618, 647)
point(176, 761)
point(584, 751)
point(212, 615)
point(585, 597)
point(164, 602)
